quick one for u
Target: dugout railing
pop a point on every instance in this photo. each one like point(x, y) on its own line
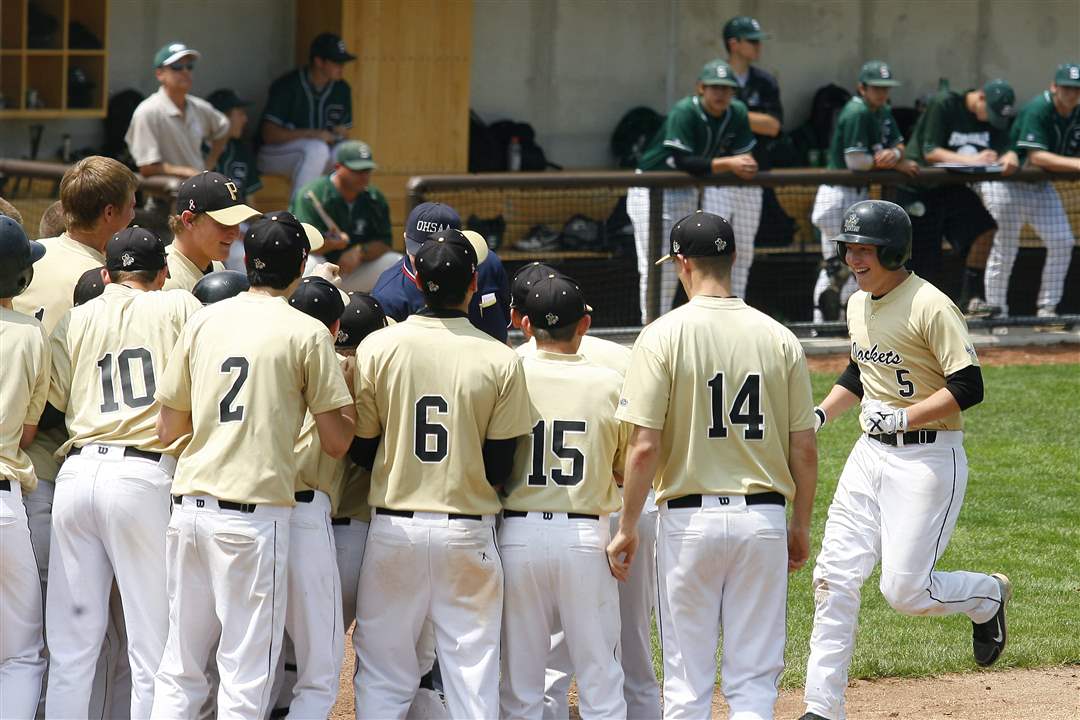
point(530, 213)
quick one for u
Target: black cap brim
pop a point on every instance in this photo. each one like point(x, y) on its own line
point(37, 251)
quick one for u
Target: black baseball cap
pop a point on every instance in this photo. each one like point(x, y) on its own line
point(277, 243)
point(525, 278)
point(216, 195)
point(445, 264)
point(363, 316)
point(319, 298)
point(701, 234)
point(225, 100)
point(425, 220)
point(314, 235)
point(329, 46)
point(16, 249)
point(133, 249)
point(555, 302)
point(89, 286)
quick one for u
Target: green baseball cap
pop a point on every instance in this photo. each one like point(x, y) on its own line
point(355, 155)
point(173, 52)
point(1000, 103)
point(717, 72)
point(1067, 75)
point(877, 73)
point(743, 27)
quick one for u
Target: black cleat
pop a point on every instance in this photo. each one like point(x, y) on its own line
point(988, 638)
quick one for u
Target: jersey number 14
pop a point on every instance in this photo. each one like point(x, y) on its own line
point(745, 408)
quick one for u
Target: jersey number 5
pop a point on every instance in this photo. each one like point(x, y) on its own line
point(745, 408)
point(559, 428)
point(907, 388)
point(424, 429)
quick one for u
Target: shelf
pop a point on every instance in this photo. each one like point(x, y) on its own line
point(12, 24)
point(55, 114)
point(11, 83)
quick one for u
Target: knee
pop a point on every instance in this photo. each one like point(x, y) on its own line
point(904, 593)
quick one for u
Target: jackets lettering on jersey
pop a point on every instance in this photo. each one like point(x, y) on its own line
point(871, 354)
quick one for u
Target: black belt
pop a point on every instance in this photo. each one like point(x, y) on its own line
point(911, 437)
point(305, 496)
point(129, 452)
point(340, 521)
point(548, 516)
point(765, 498)
point(223, 504)
point(5, 485)
point(409, 514)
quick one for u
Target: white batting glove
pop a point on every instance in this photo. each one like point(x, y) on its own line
point(877, 418)
point(819, 418)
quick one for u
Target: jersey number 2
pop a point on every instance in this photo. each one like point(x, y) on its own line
point(226, 411)
point(423, 429)
point(559, 428)
point(109, 403)
point(745, 408)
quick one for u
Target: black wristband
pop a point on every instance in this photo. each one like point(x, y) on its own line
point(821, 416)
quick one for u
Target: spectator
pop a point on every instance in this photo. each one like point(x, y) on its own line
point(52, 221)
point(169, 128)
point(1045, 135)
point(359, 241)
point(307, 113)
point(970, 128)
point(236, 161)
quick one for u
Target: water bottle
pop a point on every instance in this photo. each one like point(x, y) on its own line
point(513, 155)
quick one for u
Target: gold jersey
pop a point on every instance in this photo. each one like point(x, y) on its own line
point(24, 388)
point(315, 469)
point(604, 353)
point(356, 485)
point(183, 274)
point(726, 385)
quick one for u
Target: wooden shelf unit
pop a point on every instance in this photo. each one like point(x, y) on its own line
point(47, 66)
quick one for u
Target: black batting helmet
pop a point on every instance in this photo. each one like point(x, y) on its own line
point(882, 224)
point(17, 257)
point(220, 285)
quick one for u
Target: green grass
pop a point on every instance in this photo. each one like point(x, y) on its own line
point(1021, 516)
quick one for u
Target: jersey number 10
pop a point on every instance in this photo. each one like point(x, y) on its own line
point(109, 403)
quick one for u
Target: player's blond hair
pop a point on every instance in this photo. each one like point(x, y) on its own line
point(176, 224)
point(91, 185)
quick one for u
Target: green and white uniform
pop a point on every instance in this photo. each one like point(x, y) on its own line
point(238, 164)
point(365, 219)
point(948, 124)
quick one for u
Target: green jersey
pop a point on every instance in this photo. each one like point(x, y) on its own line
point(294, 104)
point(948, 124)
point(238, 164)
point(366, 218)
point(860, 129)
point(1039, 126)
point(689, 129)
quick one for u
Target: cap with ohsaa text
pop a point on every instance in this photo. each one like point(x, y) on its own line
point(701, 234)
point(133, 249)
point(363, 316)
point(525, 278)
point(275, 243)
point(445, 264)
point(555, 302)
point(427, 219)
point(216, 195)
point(319, 298)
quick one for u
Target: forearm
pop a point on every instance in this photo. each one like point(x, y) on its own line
point(29, 432)
point(164, 168)
point(642, 461)
point(764, 124)
point(336, 428)
point(859, 161)
point(803, 463)
point(940, 405)
point(274, 134)
point(216, 148)
point(838, 401)
point(1052, 162)
point(941, 155)
point(171, 424)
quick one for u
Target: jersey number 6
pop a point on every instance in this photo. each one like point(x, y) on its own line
point(423, 429)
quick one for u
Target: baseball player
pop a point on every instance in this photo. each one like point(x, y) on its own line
point(400, 295)
point(228, 537)
point(207, 223)
point(353, 216)
point(555, 531)
point(1047, 134)
point(703, 134)
point(98, 197)
point(220, 285)
point(90, 285)
point(441, 407)
point(24, 385)
point(236, 161)
point(308, 111)
point(724, 421)
point(865, 138)
point(898, 498)
point(111, 506)
point(758, 89)
point(970, 128)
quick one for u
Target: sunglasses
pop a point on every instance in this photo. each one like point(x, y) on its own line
point(180, 67)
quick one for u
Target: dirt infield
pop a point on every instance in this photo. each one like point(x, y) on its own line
point(1024, 355)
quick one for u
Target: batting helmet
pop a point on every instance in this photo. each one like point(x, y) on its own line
point(17, 257)
point(220, 285)
point(882, 224)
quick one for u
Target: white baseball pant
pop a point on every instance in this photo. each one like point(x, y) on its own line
point(740, 206)
point(420, 567)
point(551, 562)
point(828, 217)
point(227, 575)
point(109, 518)
point(1012, 205)
point(678, 203)
point(22, 648)
point(722, 568)
point(303, 160)
point(898, 505)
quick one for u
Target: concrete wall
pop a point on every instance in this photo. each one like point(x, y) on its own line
point(573, 67)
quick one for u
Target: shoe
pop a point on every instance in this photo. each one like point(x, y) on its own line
point(988, 638)
point(813, 716)
point(979, 308)
point(1047, 311)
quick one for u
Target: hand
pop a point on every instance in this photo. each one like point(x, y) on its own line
point(1010, 163)
point(886, 158)
point(744, 166)
point(328, 271)
point(348, 366)
point(351, 259)
point(334, 241)
point(877, 418)
point(907, 167)
point(985, 157)
point(621, 551)
point(798, 546)
point(325, 135)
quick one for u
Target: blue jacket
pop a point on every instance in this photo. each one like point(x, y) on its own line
point(489, 309)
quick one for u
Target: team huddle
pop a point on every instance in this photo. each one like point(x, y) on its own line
point(255, 461)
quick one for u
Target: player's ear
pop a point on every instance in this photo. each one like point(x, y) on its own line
point(161, 277)
point(584, 324)
point(526, 327)
point(473, 284)
point(335, 327)
point(188, 218)
point(105, 279)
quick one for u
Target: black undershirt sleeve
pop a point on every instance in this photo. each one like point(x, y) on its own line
point(693, 164)
point(50, 418)
point(499, 460)
point(966, 386)
point(850, 379)
point(362, 451)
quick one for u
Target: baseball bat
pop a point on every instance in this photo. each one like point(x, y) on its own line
point(330, 224)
